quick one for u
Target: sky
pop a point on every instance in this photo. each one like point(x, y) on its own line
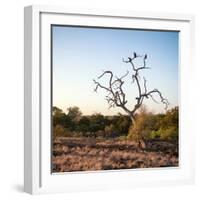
point(81, 54)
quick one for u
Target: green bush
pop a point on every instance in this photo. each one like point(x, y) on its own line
point(150, 126)
point(170, 133)
point(60, 131)
point(146, 125)
point(155, 134)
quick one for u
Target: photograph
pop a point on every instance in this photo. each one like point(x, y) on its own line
point(114, 98)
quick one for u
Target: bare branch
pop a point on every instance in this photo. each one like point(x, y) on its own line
point(145, 85)
point(153, 98)
point(115, 93)
point(162, 99)
point(107, 72)
point(117, 79)
point(130, 61)
point(99, 85)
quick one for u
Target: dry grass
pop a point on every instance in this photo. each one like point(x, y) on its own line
point(87, 154)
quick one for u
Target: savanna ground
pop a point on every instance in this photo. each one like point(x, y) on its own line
point(98, 142)
point(88, 154)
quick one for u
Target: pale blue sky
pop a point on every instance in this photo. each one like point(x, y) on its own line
point(81, 54)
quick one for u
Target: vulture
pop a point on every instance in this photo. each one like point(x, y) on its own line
point(129, 59)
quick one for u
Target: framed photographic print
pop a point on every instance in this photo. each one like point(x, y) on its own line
point(107, 99)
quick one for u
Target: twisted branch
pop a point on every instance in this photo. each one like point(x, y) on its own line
point(115, 94)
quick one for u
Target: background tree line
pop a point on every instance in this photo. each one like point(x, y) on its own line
point(147, 125)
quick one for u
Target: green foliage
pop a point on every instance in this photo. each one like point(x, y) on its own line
point(96, 122)
point(60, 131)
point(168, 129)
point(171, 118)
point(155, 134)
point(72, 119)
point(59, 117)
point(121, 124)
point(170, 133)
point(84, 124)
point(56, 110)
point(146, 125)
point(74, 113)
point(149, 126)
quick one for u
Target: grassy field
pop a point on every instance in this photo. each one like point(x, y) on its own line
point(88, 154)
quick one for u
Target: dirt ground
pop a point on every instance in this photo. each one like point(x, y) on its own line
point(89, 154)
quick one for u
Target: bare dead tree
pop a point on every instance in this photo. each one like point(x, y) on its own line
point(116, 96)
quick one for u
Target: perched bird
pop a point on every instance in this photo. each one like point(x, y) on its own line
point(135, 55)
point(145, 57)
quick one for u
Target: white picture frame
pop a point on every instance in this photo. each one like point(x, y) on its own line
point(37, 74)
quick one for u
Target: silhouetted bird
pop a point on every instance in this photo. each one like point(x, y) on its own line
point(135, 55)
point(145, 57)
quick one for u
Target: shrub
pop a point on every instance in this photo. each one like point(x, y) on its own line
point(142, 126)
point(149, 126)
point(96, 122)
point(171, 133)
point(109, 130)
point(155, 134)
point(133, 133)
point(68, 133)
point(58, 130)
point(121, 124)
point(100, 134)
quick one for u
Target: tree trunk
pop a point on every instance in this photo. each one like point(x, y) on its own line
point(132, 119)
